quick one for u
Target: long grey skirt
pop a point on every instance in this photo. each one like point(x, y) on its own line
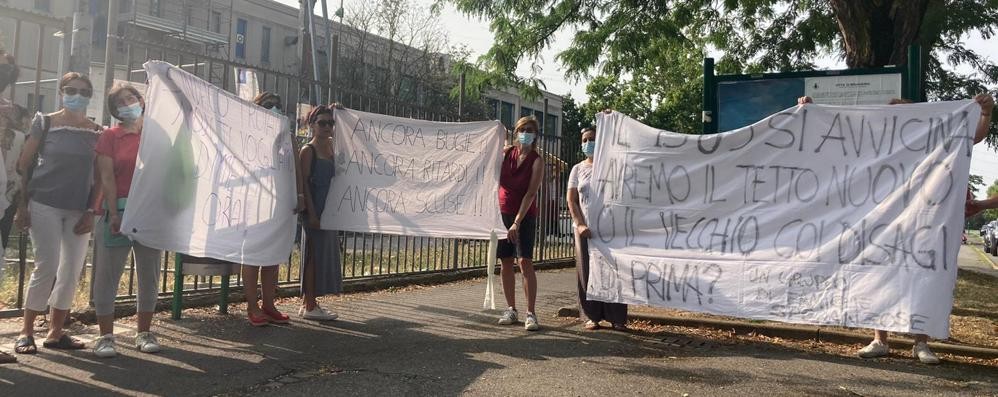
point(614, 313)
point(323, 248)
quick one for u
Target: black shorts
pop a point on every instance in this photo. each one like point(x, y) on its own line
point(524, 247)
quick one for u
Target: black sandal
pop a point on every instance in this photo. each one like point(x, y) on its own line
point(25, 345)
point(64, 343)
point(7, 358)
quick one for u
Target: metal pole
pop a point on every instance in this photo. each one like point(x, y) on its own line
point(709, 123)
point(79, 59)
point(315, 65)
point(37, 105)
point(112, 30)
point(460, 100)
point(329, 53)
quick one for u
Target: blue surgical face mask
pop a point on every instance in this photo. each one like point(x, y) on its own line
point(275, 110)
point(131, 112)
point(526, 138)
point(588, 148)
point(75, 103)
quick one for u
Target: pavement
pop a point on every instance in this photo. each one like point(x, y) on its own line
point(439, 341)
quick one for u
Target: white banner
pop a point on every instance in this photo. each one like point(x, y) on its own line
point(845, 216)
point(414, 177)
point(215, 174)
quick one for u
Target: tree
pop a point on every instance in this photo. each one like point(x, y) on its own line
point(637, 39)
point(975, 182)
point(406, 63)
point(573, 120)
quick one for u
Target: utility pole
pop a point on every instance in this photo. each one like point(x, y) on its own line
point(112, 38)
point(80, 49)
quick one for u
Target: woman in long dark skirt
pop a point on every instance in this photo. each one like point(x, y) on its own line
point(579, 191)
point(322, 269)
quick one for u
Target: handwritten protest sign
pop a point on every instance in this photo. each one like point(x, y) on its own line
point(215, 174)
point(414, 177)
point(820, 215)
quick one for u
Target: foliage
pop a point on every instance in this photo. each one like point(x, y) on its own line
point(645, 55)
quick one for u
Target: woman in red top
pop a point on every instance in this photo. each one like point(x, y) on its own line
point(522, 170)
point(117, 149)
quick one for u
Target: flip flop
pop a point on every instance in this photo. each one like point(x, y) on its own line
point(64, 343)
point(25, 345)
point(591, 325)
point(621, 327)
point(7, 358)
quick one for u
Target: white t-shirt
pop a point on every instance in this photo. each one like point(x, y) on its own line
point(580, 178)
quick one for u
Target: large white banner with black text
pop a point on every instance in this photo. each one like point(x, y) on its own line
point(215, 174)
point(414, 177)
point(819, 214)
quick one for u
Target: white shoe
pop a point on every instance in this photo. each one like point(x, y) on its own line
point(146, 342)
point(317, 314)
point(922, 353)
point(104, 348)
point(508, 317)
point(530, 324)
point(874, 349)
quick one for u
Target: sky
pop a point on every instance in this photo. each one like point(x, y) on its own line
point(474, 33)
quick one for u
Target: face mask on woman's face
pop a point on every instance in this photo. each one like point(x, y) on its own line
point(526, 138)
point(588, 148)
point(131, 112)
point(275, 110)
point(75, 103)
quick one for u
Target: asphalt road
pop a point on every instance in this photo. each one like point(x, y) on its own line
point(439, 341)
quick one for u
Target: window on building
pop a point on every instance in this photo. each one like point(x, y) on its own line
point(216, 22)
point(525, 111)
point(539, 115)
point(43, 5)
point(241, 38)
point(551, 124)
point(492, 109)
point(506, 115)
point(265, 45)
point(155, 8)
point(407, 89)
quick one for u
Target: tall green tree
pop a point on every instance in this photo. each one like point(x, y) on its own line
point(648, 52)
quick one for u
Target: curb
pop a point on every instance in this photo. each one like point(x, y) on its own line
point(799, 332)
point(985, 257)
point(125, 308)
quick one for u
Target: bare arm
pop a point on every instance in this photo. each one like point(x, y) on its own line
point(575, 208)
point(537, 174)
point(987, 103)
point(28, 152)
point(305, 164)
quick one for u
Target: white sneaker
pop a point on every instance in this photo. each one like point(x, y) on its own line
point(530, 324)
point(508, 317)
point(922, 353)
point(104, 348)
point(146, 342)
point(874, 349)
point(317, 314)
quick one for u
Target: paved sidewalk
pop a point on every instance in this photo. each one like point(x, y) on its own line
point(438, 341)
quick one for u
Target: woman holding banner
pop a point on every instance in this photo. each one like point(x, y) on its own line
point(519, 181)
point(321, 268)
point(579, 191)
point(878, 347)
point(117, 150)
point(57, 163)
point(267, 313)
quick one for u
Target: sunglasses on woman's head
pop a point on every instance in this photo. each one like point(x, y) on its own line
point(86, 92)
point(324, 123)
point(269, 105)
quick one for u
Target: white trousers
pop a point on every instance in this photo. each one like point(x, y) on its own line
point(59, 257)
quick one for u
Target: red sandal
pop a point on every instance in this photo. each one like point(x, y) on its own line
point(257, 320)
point(276, 317)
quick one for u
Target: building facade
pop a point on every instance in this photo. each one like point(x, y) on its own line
point(263, 35)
